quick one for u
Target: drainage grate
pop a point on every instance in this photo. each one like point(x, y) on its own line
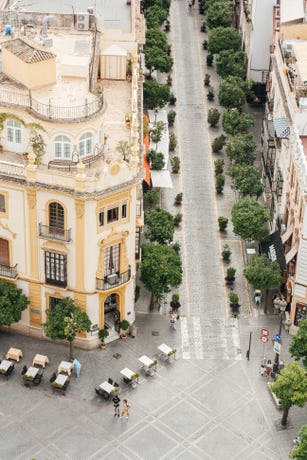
point(155, 333)
point(117, 356)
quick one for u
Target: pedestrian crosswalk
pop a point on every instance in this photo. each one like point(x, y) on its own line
point(212, 338)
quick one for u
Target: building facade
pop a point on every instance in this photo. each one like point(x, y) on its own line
point(70, 165)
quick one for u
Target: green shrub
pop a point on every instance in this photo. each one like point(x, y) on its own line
point(213, 117)
point(156, 160)
point(172, 142)
point(171, 117)
point(219, 183)
point(223, 222)
point(175, 164)
point(209, 58)
point(218, 167)
point(233, 298)
point(226, 252)
point(151, 199)
point(177, 219)
point(218, 143)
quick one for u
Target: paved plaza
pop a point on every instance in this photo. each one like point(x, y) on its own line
point(211, 403)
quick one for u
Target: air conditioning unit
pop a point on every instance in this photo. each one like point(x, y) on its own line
point(112, 279)
point(83, 21)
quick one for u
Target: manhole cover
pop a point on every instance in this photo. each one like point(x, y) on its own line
point(155, 333)
point(117, 356)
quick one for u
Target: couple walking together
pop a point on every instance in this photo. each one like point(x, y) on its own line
point(125, 408)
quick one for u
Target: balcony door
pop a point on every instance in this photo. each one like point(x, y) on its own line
point(56, 218)
point(4, 252)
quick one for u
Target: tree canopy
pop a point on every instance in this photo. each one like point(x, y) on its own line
point(156, 160)
point(232, 92)
point(12, 303)
point(230, 62)
point(157, 59)
point(151, 199)
point(65, 320)
point(155, 37)
point(249, 219)
point(241, 149)
point(246, 179)
point(298, 346)
point(262, 272)
point(160, 226)
point(219, 14)
point(299, 452)
point(224, 38)
point(161, 269)
point(290, 387)
point(155, 94)
point(155, 16)
point(235, 122)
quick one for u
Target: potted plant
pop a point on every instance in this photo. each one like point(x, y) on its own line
point(210, 93)
point(103, 334)
point(178, 199)
point(226, 253)
point(172, 142)
point(205, 45)
point(219, 183)
point(234, 301)
point(124, 326)
point(218, 143)
point(171, 118)
point(219, 166)
point(172, 99)
point(167, 26)
point(209, 59)
point(169, 80)
point(230, 275)
point(223, 222)
point(213, 117)
point(203, 27)
point(207, 80)
point(127, 120)
point(175, 164)
point(177, 219)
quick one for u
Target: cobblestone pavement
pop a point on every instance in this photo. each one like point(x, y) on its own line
point(211, 403)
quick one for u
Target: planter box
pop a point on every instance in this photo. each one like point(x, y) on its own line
point(275, 399)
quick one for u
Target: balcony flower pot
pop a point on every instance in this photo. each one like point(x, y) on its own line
point(124, 326)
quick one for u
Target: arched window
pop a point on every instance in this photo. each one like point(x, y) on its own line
point(13, 132)
point(62, 147)
point(86, 144)
point(56, 216)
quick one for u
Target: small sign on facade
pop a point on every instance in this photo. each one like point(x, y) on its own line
point(277, 347)
point(94, 329)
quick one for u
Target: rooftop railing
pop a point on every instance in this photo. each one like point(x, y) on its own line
point(50, 111)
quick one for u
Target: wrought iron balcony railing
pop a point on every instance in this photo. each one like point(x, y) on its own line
point(54, 233)
point(112, 280)
point(8, 272)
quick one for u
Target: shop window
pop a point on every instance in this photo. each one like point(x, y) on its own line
point(56, 269)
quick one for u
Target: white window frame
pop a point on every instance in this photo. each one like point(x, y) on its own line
point(86, 144)
point(13, 133)
point(62, 147)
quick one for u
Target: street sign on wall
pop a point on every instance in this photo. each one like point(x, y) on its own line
point(277, 347)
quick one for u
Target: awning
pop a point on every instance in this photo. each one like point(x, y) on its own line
point(273, 248)
point(282, 128)
point(285, 236)
point(161, 179)
point(147, 170)
point(291, 253)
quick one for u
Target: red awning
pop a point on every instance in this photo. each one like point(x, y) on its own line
point(147, 170)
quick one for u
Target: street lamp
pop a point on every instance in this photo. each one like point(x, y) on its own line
point(280, 304)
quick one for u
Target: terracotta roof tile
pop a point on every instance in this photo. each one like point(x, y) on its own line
point(26, 52)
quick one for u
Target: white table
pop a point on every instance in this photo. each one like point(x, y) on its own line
point(127, 373)
point(147, 362)
point(40, 360)
point(107, 387)
point(165, 349)
point(61, 379)
point(5, 365)
point(31, 372)
point(65, 366)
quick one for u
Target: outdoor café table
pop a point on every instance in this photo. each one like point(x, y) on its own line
point(40, 360)
point(148, 364)
point(107, 387)
point(166, 351)
point(65, 366)
point(128, 374)
point(4, 366)
point(31, 373)
point(14, 353)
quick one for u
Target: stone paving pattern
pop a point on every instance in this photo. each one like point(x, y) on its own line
point(211, 403)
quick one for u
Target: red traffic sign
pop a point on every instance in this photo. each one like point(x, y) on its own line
point(264, 338)
point(265, 332)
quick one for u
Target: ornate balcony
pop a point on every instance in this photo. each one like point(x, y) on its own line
point(8, 272)
point(113, 280)
point(54, 233)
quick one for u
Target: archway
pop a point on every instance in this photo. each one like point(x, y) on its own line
point(111, 312)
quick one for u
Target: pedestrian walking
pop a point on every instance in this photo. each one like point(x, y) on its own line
point(173, 321)
point(263, 367)
point(116, 401)
point(126, 408)
point(268, 368)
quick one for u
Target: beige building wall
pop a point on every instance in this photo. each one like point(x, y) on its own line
point(31, 75)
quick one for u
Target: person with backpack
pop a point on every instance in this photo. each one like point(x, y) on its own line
point(116, 401)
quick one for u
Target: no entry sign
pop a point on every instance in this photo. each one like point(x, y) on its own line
point(264, 338)
point(265, 332)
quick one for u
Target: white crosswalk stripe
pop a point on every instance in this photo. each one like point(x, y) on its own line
point(210, 338)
